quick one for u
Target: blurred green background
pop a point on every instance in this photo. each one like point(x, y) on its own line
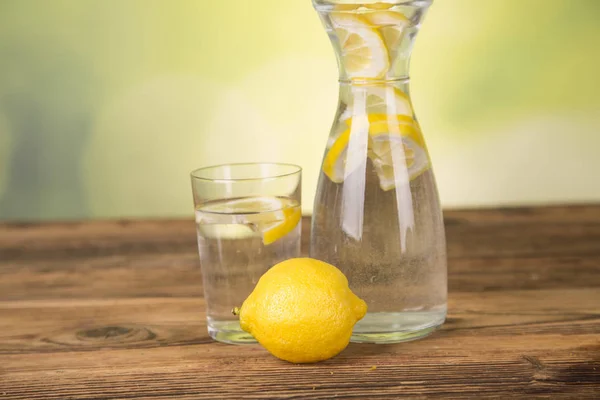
point(106, 105)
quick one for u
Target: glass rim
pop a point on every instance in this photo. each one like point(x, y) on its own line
point(195, 173)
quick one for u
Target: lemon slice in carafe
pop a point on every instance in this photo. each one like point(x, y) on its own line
point(392, 26)
point(398, 153)
point(363, 51)
point(395, 148)
point(378, 99)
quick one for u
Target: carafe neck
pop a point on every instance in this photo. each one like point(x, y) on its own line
point(375, 99)
point(373, 41)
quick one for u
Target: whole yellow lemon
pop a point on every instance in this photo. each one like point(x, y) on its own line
point(302, 311)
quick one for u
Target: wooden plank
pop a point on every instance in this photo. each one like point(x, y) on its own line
point(172, 275)
point(77, 325)
point(420, 368)
point(113, 309)
point(523, 273)
point(464, 241)
point(159, 258)
point(448, 364)
point(582, 214)
point(485, 233)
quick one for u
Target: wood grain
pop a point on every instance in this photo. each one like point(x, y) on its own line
point(114, 309)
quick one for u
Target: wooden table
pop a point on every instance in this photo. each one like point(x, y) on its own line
point(99, 310)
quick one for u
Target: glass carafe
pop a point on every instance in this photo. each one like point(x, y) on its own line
point(377, 214)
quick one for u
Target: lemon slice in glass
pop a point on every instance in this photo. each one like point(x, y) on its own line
point(227, 231)
point(363, 52)
point(270, 217)
point(275, 228)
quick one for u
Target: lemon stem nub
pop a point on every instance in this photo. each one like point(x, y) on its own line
point(235, 311)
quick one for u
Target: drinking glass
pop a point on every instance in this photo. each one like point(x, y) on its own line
point(248, 218)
